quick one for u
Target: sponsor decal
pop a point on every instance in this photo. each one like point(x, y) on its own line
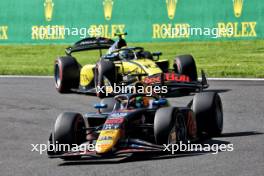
point(240, 29)
point(151, 80)
point(238, 6)
point(163, 31)
point(112, 126)
point(105, 138)
point(3, 32)
point(167, 77)
point(107, 31)
point(48, 9)
point(108, 132)
point(108, 9)
point(219, 30)
point(177, 78)
point(171, 8)
point(49, 32)
point(114, 120)
point(104, 143)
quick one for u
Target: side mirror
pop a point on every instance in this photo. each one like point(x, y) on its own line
point(157, 55)
point(160, 102)
point(100, 106)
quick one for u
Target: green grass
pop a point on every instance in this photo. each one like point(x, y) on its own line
point(218, 59)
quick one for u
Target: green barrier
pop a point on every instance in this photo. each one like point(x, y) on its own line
point(39, 21)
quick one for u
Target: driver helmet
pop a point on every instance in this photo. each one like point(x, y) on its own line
point(126, 54)
point(142, 102)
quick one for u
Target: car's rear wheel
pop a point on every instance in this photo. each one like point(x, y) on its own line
point(185, 65)
point(69, 130)
point(66, 74)
point(208, 109)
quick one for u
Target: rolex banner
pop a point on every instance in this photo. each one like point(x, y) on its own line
point(61, 21)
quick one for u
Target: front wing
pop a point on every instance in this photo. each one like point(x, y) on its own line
point(125, 149)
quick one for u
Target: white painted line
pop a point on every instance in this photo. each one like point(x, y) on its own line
point(235, 79)
point(210, 79)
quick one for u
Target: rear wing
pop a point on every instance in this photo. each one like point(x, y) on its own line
point(91, 43)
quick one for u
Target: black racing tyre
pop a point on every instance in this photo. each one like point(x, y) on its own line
point(66, 74)
point(163, 123)
point(104, 76)
point(147, 55)
point(110, 102)
point(69, 130)
point(50, 150)
point(208, 109)
point(169, 126)
point(185, 65)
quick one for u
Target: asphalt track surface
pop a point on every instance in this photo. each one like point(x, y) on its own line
point(29, 106)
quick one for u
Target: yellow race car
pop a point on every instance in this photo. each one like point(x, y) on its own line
point(123, 65)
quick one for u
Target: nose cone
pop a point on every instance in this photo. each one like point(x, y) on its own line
point(107, 140)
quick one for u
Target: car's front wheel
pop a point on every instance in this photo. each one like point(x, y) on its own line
point(104, 78)
point(169, 126)
point(68, 132)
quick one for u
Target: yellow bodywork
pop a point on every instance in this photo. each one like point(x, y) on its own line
point(148, 66)
point(107, 140)
point(136, 66)
point(86, 75)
